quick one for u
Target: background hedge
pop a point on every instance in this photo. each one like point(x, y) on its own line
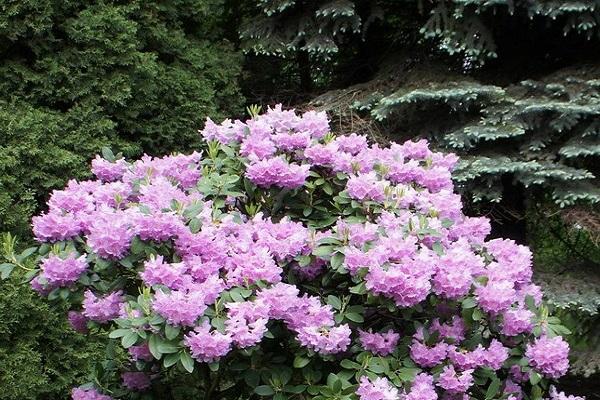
point(139, 76)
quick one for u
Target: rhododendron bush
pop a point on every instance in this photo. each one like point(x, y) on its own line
point(285, 262)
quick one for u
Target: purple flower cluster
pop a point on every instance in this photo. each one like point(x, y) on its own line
point(180, 307)
point(135, 380)
point(141, 352)
point(221, 277)
point(378, 389)
point(516, 321)
point(206, 344)
point(108, 171)
point(63, 272)
point(454, 382)
point(280, 148)
point(549, 356)
point(556, 395)
point(422, 388)
point(88, 394)
point(78, 321)
point(103, 308)
point(379, 343)
point(277, 172)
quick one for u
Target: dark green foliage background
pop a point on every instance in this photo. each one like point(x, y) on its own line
point(139, 76)
point(40, 355)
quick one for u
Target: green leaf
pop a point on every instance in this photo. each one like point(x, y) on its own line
point(171, 332)
point(153, 346)
point(335, 383)
point(447, 223)
point(156, 320)
point(534, 378)
point(354, 317)
point(536, 393)
point(117, 333)
point(170, 360)
point(126, 262)
point(323, 251)
point(349, 364)
point(107, 154)
point(376, 366)
point(294, 389)
point(27, 252)
point(361, 288)
point(469, 302)
point(560, 330)
point(303, 261)
point(236, 295)
point(129, 340)
point(214, 366)
point(166, 347)
point(264, 390)
point(312, 390)
point(334, 301)
point(530, 303)
point(337, 260)
point(195, 225)
point(5, 270)
point(300, 362)
point(438, 248)
point(251, 377)
point(45, 249)
point(279, 396)
point(407, 374)
point(187, 361)
point(137, 246)
point(218, 324)
point(492, 389)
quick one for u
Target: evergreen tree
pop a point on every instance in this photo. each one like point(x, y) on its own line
point(139, 76)
point(545, 134)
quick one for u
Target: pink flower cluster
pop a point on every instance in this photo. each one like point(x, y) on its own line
point(556, 395)
point(88, 394)
point(220, 275)
point(136, 380)
point(280, 148)
point(59, 272)
point(102, 308)
point(422, 388)
point(549, 356)
point(379, 343)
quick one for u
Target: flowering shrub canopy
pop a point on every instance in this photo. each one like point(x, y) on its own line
point(289, 263)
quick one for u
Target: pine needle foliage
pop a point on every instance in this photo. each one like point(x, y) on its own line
point(466, 28)
point(283, 27)
point(546, 134)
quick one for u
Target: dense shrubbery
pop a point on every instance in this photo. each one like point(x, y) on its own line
point(81, 75)
point(41, 356)
point(288, 262)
